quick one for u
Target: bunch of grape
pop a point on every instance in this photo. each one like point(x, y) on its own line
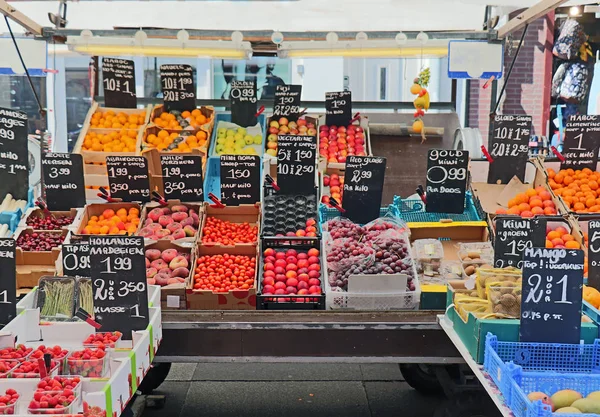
point(424, 77)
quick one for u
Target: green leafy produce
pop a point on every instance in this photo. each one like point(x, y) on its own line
point(86, 300)
point(56, 297)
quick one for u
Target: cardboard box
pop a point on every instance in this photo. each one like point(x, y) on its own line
point(245, 213)
point(37, 212)
point(187, 241)
point(28, 276)
point(47, 258)
point(96, 209)
point(232, 300)
point(173, 290)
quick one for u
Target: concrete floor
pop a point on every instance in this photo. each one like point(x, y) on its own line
point(290, 390)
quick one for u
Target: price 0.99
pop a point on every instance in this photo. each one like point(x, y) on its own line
point(236, 174)
point(72, 262)
point(112, 266)
point(56, 172)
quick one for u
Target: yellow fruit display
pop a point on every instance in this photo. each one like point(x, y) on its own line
point(568, 410)
point(236, 142)
point(565, 398)
point(587, 405)
point(116, 141)
point(111, 120)
point(176, 141)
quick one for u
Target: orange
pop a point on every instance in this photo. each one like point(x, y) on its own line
point(513, 210)
point(548, 203)
point(549, 244)
point(549, 211)
point(567, 237)
point(551, 173)
point(553, 235)
point(500, 211)
point(559, 178)
point(545, 195)
point(108, 213)
point(512, 202)
point(531, 192)
point(524, 207)
point(557, 241)
point(561, 230)
point(572, 245)
point(522, 198)
point(578, 206)
point(536, 202)
point(537, 210)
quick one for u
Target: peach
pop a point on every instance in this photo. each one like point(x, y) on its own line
point(150, 272)
point(169, 254)
point(182, 272)
point(152, 254)
point(178, 234)
point(164, 221)
point(174, 226)
point(179, 208)
point(178, 262)
point(291, 274)
point(189, 231)
point(158, 264)
point(179, 216)
point(155, 214)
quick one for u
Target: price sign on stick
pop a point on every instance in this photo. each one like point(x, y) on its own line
point(296, 163)
point(63, 183)
point(594, 254)
point(287, 101)
point(243, 101)
point(118, 270)
point(128, 178)
point(447, 175)
point(582, 140)
point(8, 288)
point(182, 177)
point(551, 295)
point(118, 79)
point(14, 158)
point(240, 179)
point(76, 259)
point(363, 187)
point(509, 148)
point(338, 108)
point(178, 87)
point(513, 236)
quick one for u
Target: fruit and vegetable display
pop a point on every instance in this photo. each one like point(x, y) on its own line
point(283, 126)
point(338, 142)
point(8, 401)
point(569, 401)
point(238, 141)
point(89, 362)
point(335, 183)
point(170, 223)
point(183, 141)
point(32, 241)
point(291, 272)
point(18, 353)
point(48, 222)
point(224, 273)
point(116, 141)
point(166, 267)
point(534, 202)
point(577, 189)
point(181, 120)
point(120, 222)
point(224, 232)
point(55, 402)
point(56, 297)
point(30, 368)
point(290, 215)
point(109, 119)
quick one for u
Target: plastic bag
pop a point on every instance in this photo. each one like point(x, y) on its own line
point(347, 257)
point(382, 224)
point(569, 40)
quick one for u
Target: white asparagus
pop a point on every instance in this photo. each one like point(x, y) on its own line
point(4, 230)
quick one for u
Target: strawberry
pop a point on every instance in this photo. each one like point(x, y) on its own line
point(30, 369)
point(88, 362)
point(55, 402)
point(103, 339)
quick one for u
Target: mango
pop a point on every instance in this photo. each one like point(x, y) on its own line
point(568, 410)
point(587, 405)
point(565, 398)
point(594, 395)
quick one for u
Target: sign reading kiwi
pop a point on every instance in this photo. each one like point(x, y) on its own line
point(582, 140)
point(513, 236)
point(14, 157)
point(363, 187)
point(243, 103)
point(551, 295)
point(240, 179)
point(594, 254)
point(287, 101)
point(338, 108)
point(178, 87)
point(118, 79)
point(62, 179)
point(8, 288)
point(509, 148)
point(447, 176)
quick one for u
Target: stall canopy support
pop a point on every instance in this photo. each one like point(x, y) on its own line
point(528, 16)
point(19, 18)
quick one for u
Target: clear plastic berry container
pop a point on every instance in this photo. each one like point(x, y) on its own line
point(6, 367)
point(19, 353)
point(103, 340)
point(56, 353)
point(54, 384)
point(92, 367)
point(8, 403)
point(52, 403)
point(22, 371)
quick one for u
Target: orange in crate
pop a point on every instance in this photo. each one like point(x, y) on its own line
point(578, 189)
point(111, 120)
point(533, 202)
point(121, 222)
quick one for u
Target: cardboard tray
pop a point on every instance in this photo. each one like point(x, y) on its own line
point(47, 258)
point(186, 241)
point(37, 212)
point(96, 209)
point(173, 290)
point(28, 276)
point(236, 214)
point(232, 300)
point(339, 167)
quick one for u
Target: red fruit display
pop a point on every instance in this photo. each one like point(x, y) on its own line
point(291, 272)
point(18, 353)
point(173, 223)
point(39, 241)
point(57, 402)
point(58, 383)
point(224, 232)
point(336, 143)
point(56, 352)
point(6, 366)
point(166, 267)
point(89, 362)
point(283, 126)
point(30, 368)
point(102, 339)
point(54, 222)
point(8, 401)
point(223, 273)
point(335, 183)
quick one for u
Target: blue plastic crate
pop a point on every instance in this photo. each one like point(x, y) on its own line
point(212, 179)
point(414, 211)
point(226, 117)
point(591, 311)
point(7, 216)
point(11, 219)
point(328, 213)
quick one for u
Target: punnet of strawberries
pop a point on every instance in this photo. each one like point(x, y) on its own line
point(19, 353)
point(30, 369)
point(103, 339)
point(56, 402)
point(8, 400)
point(56, 352)
point(58, 383)
point(88, 362)
point(6, 366)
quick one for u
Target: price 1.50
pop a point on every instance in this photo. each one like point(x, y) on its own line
point(237, 174)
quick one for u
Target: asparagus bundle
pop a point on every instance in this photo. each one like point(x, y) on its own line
point(56, 297)
point(86, 300)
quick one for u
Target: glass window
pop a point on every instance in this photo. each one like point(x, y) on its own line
point(78, 102)
point(382, 83)
point(16, 93)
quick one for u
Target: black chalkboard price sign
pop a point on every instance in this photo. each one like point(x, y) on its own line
point(178, 87)
point(296, 164)
point(447, 176)
point(338, 108)
point(118, 79)
point(63, 183)
point(118, 272)
point(76, 259)
point(509, 148)
point(14, 158)
point(582, 140)
point(551, 295)
point(240, 179)
point(182, 177)
point(243, 101)
point(594, 254)
point(513, 236)
point(8, 288)
point(128, 178)
point(363, 187)
point(287, 101)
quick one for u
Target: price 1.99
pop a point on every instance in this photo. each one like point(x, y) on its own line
point(114, 265)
